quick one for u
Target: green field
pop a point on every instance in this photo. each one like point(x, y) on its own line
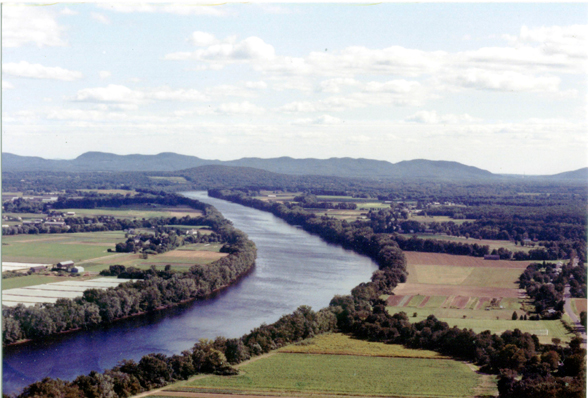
point(177, 180)
point(347, 374)
point(341, 344)
point(439, 219)
point(53, 248)
point(466, 276)
point(110, 191)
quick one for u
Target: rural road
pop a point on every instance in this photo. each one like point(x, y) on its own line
point(571, 314)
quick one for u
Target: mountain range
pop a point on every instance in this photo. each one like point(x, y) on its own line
point(339, 167)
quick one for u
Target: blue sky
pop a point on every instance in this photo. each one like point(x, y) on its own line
point(498, 86)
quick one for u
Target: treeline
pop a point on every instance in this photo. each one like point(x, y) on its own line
point(158, 290)
point(525, 368)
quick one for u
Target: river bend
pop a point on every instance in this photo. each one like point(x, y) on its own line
point(293, 268)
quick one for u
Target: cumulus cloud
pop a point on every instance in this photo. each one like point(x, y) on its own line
point(569, 40)
point(431, 117)
point(68, 11)
point(28, 24)
point(240, 108)
point(202, 39)
point(104, 74)
point(38, 71)
point(336, 85)
point(321, 120)
point(504, 81)
point(118, 94)
point(82, 114)
point(228, 50)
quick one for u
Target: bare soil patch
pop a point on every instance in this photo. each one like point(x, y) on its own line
point(460, 302)
point(580, 305)
point(421, 258)
point(406, 289)
point(393, 301)
point(482, 302)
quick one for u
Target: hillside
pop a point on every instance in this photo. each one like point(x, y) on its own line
point(170, 162)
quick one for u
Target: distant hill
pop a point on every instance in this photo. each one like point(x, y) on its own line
point(171, 162)
point(580, 174)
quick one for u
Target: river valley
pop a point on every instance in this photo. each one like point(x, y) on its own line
point(293, 268)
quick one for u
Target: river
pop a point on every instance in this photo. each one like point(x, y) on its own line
point(293, 268)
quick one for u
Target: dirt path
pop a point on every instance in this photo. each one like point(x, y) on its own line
point(572, 314)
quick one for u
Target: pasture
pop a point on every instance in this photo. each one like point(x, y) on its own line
point(345, 374)
point(111, 191)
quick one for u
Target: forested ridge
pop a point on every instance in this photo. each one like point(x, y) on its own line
point(159, 289)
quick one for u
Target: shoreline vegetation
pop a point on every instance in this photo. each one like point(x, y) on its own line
point(154, 291)
point(524, 366)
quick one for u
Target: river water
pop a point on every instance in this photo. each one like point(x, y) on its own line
point(293, 268)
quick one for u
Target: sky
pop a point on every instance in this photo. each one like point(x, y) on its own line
point(499, 86)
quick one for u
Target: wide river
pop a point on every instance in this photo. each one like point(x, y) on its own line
point(293, 268)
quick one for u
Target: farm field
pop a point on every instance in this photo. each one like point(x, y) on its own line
point(468, 292)
point(53, 248)
point(138, 211)
point(439, 219)
point(30, 280)
point(51, 292)
point(334, 364)
point(341, 344)
point(347, 374)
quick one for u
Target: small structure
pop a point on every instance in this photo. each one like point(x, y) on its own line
point(70, 213)
point(67, 265)
point(77, 270)
point(38, 268)
point(491, 257)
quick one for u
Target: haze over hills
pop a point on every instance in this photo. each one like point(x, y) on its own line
point(339, 167)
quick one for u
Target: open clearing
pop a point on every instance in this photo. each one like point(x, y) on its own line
point(138, 211)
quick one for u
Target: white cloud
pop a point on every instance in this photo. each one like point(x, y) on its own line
point(393, 86)
point(81, 114)
point(104, 74)
point(117, 94)
point(569, 40)
point(336, 85)
point(202, 39)
point(431, 117)
point(100, 18)
point(259, 85)
point(251, 48)
point(504, 81)
point(68, 11)
point(38, 71)
point(321, 120)
point(112, 93)
point(6, 85)
point(177, 9)
point(240, 108)
point(24, 24)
